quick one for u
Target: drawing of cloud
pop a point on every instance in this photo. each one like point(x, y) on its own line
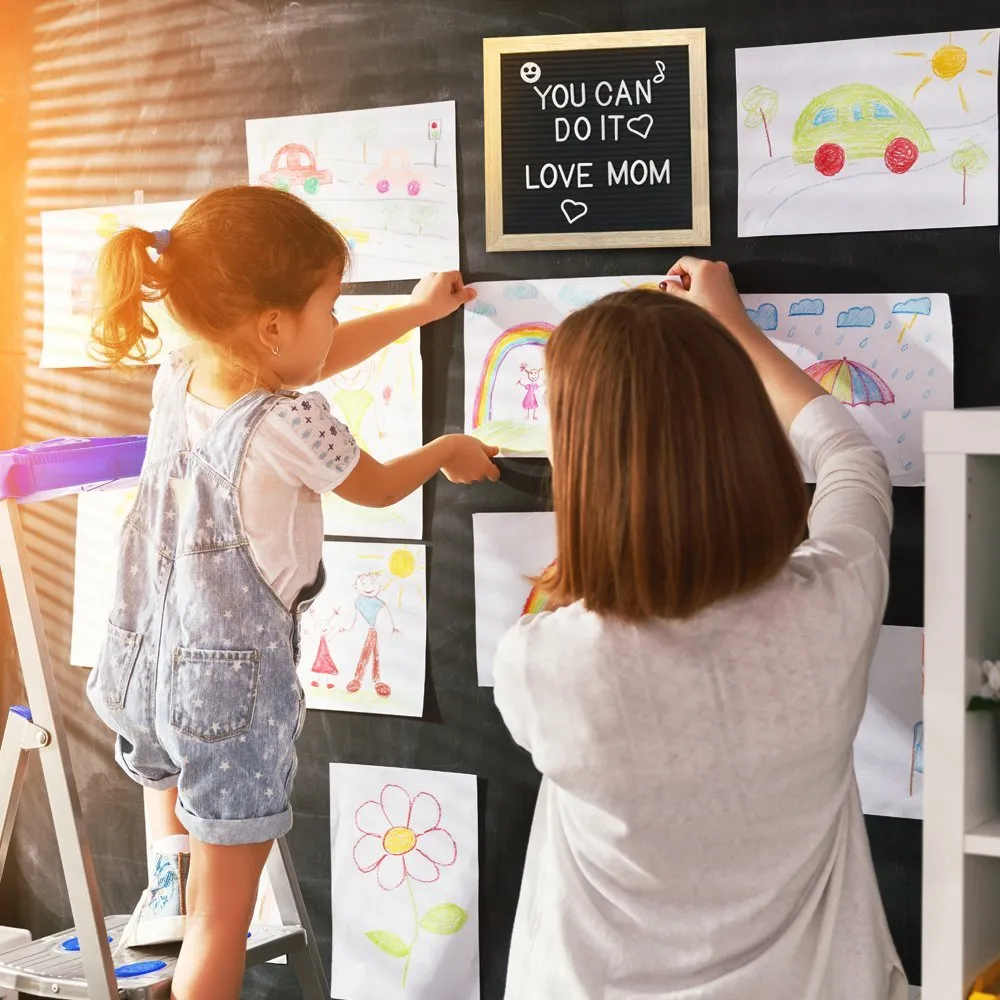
point(481, 308)
point(913, 307)
point(806, 307)
point(857, 316)
point(765, 316)
point(520, 290)
point(576, 296)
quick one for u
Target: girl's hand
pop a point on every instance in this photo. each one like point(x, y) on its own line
point(469, 461)
point(440, 294)
point(708, 283)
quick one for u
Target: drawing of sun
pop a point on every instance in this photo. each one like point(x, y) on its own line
point(948, 62)
point(396, 573)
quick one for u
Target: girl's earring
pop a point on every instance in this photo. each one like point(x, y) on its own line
point(275, 352)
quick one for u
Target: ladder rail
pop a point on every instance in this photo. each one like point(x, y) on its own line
point(57, 770)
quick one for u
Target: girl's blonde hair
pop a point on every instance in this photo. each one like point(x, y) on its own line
point(675, 485)
point(234, 252)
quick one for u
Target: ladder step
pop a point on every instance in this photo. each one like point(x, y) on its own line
point(46, 967)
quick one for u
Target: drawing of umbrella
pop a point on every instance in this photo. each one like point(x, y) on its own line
point(851, 382)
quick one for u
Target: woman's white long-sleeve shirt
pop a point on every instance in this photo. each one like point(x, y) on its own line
point(698, 833)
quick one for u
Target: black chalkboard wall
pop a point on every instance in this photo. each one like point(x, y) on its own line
point(173, 82)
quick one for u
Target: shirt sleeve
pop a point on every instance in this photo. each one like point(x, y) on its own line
point(852, 482)
point(306, 444)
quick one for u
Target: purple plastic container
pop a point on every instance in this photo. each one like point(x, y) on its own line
point(68, 465)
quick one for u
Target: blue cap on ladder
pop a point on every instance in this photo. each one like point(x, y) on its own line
point(23, 711)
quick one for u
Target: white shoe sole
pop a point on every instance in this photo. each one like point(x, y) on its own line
point(162, 930)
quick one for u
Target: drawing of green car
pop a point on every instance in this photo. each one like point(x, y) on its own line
point(857, 121)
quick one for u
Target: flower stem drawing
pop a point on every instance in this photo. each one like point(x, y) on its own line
point(403, 842)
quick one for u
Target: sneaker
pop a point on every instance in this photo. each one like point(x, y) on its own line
point(161, 916)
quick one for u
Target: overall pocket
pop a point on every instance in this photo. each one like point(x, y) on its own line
point(213, 692)
point(114, 669)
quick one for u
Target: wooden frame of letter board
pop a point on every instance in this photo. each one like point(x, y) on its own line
point(698, 235)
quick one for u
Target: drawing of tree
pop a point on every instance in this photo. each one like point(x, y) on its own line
point(389, 214)
point(968, 158)
point(761, 106)
point(422, 215)
point(365, 130)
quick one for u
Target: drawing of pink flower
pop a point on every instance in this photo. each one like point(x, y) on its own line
point(402, 837)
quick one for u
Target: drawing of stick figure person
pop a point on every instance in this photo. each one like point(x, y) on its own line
point(354, 399)
point(531, 388)
point(323, 663)
point(369, 605)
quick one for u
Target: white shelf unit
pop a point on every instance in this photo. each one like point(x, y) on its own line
point(961, 861)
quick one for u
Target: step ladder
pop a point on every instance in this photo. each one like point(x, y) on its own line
point(85, 963)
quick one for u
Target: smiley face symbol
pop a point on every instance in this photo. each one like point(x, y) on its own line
point(531, 72)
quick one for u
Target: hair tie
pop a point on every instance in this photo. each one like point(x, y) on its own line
point(161, 240)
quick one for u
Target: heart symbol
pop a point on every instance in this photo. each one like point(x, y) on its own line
point(640, 126)
point(573, 210)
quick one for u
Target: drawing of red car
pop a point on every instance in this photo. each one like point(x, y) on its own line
point(294, 165)
point(395, 174)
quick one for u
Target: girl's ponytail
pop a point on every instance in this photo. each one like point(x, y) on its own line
point(127, 278)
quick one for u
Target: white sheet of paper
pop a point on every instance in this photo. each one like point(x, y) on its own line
point(888, 750)
point(100, 516)
point(827, 133)
point(381, 401)
point(888, 357)
point(510, 549)
point(371, 613)
point(405, 884)
point(71, 241)
point(904, 339)
point(385, 177)
point(506, 328)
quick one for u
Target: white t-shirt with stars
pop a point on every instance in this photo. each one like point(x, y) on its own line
point(283, 477)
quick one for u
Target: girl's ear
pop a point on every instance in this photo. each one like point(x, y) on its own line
point(269, 330)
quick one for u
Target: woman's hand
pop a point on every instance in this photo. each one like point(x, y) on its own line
point(440, 294)
point(709, 284)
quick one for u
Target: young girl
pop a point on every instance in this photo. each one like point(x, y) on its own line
point(693, 699)
point(221, 554)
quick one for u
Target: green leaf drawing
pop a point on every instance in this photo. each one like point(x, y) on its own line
point(445, 918)
point(390, 943)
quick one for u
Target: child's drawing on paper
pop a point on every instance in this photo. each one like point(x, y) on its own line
point(363, 639)
point(404, 883)
point(880, 128)
point(506, 329)
point(511, 551)
point(530, 381)
point(888, 358)
point(386, 177)
point(100, 517)
point(368, 606)
point(889, 747)
point(71, 241)
point(380, 400)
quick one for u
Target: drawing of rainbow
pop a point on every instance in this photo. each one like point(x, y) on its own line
point(537, 599)
point(524, 335)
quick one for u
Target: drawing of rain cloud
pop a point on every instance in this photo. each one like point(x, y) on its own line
point(520, 290)
point(765, 316)
point(576, 296)
point(913, 307)
point(856, 316)
point(482, 308)
point(806, 307)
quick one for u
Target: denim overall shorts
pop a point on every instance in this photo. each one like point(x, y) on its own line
point(197, 673)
